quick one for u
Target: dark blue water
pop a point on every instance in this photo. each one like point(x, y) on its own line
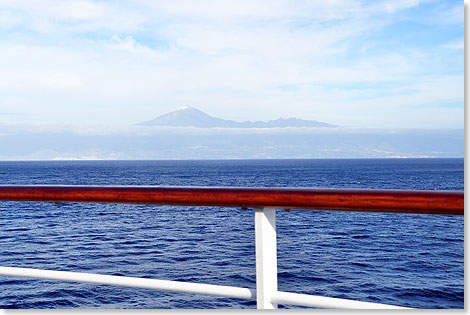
point(402, 259)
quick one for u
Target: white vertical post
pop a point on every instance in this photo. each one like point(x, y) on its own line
point(266, 257)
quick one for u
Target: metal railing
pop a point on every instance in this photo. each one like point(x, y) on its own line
point(264, 201)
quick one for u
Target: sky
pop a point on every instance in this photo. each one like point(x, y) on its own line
point(361, 64)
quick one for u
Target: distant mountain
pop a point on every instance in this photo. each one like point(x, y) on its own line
point(189, 116)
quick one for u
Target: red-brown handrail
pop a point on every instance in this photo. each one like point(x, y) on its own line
point(363, 200)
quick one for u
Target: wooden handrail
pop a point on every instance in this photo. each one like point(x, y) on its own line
point(363, 200)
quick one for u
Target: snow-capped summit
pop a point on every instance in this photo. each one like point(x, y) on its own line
point(185, 107)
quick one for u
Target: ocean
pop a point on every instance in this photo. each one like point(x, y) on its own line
point(401, 259)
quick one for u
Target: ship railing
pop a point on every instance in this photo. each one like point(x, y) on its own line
point(264, 202)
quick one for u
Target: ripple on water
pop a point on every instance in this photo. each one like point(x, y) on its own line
point(366, 256)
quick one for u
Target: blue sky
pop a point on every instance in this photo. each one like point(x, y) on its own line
point(387, 64)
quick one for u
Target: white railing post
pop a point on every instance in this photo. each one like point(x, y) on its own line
point(266, 257)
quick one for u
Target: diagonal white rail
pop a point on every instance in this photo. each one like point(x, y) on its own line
point(132, 282)
point(187, 287)
point(266, 294)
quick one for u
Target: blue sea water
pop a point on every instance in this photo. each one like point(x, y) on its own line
point(402, 259)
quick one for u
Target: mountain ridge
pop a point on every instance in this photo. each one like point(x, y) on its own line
point(188, 116)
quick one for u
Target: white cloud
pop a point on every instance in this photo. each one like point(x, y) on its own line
point(78, 10)
point(128, 44)
point(395, 5)
point(62, 16)
point(55, 9)
point(105, 61)
point(454, 14)
point(8, 19)
point(215, 10)
point(456, 44)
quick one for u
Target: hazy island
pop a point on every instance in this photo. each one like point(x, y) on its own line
point(188, 116)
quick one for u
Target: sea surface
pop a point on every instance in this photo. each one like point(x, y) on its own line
point(402, 259)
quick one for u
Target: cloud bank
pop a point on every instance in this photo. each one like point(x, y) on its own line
point(68, 142)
